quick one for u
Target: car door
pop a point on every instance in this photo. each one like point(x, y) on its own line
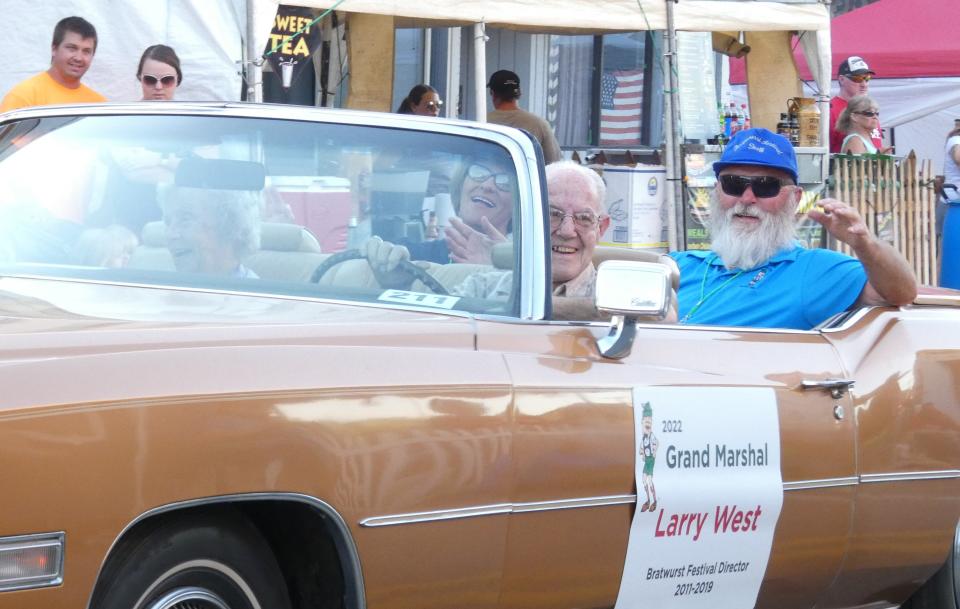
point(575, 445)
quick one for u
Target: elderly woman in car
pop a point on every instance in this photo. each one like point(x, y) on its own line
point(212, 231)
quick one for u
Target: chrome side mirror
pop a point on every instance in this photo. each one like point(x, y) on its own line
point(629, 291)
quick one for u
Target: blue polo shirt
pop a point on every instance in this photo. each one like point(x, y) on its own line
point(797, 288)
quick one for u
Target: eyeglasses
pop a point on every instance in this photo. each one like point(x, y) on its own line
point(582, 219)
point(869, 113)
point(434, 105)
point(151, 81)
point(762, 186)
point(479, 173)
point(859, 77)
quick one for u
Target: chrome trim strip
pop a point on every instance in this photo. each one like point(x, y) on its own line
point(437, 515)
point(345, 544)
point(56, 539)
point(567, 504)
point(502, 509)
point(802, 485)
point(909, 476)
point(498, 509)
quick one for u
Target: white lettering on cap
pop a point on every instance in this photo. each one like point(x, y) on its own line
point(758, 146)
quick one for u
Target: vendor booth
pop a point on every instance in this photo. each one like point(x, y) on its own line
point(765, 27)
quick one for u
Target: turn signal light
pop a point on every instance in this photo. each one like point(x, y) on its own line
point(31, 561)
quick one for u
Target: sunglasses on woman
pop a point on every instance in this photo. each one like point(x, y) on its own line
point(762, 186)
point(869, 113)
point(151, 81)
point(479, 173)
point(434, 105)
point(860, 77)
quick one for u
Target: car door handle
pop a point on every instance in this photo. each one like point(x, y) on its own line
point(836, 387)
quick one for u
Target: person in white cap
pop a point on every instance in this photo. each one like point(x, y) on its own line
point(854, 79)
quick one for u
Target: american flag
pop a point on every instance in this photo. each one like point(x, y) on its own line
point(621, 96)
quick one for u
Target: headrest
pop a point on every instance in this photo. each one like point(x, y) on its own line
point(154, 234)
point(222, 174)
point(274, 236)
point(281, 237)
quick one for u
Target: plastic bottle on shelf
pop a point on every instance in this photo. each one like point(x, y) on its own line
point(745, 117)
point(727, 123)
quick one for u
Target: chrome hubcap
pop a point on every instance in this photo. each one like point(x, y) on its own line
point(189, 598)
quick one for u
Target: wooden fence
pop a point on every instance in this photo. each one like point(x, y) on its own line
point(896, 198)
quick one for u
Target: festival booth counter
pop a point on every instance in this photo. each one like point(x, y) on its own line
point(662, 212)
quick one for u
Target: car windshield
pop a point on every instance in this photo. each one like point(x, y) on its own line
point(253, 204)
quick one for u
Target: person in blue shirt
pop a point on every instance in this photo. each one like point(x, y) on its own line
point(756, 274)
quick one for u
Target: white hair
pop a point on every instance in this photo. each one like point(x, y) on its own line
point(597, 185)
point(237, 213)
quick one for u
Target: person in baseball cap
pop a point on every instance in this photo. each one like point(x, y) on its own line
point(504, 84)
point(756, 274)
point(504, 88)
point(854, 66)
point(853, 78)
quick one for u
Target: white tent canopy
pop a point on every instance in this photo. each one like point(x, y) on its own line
point(574, 16)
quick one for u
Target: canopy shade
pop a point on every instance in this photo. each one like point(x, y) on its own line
point(574, 16)
point(919, 39)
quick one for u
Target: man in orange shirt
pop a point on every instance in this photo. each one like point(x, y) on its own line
point(72, 50)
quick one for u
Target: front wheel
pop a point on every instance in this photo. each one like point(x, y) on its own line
point(202, 562)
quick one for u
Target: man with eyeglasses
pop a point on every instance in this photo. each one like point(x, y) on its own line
point(756, 274)
point(71, 53)
point(854, 79)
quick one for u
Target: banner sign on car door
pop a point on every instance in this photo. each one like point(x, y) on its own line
point(709, 494)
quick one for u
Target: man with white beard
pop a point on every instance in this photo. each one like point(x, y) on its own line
point(756, 274)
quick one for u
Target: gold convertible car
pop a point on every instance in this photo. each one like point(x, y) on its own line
point(210, 401)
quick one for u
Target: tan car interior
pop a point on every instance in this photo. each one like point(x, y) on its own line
point(289, 252)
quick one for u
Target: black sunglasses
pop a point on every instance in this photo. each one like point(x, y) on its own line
point(151, 81)
point(762, 186)
point(869, 113)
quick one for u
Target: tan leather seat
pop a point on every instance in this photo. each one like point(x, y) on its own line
point(287, 251)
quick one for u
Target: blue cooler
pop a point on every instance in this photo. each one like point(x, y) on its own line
point(950, 257)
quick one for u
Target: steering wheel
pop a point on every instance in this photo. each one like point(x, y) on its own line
point(405, 265)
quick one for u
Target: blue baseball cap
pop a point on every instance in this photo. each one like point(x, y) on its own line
point(759, 147)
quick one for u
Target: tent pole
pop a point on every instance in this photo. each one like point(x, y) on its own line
point(254, 71)
point(480, 71)
point(675, 237)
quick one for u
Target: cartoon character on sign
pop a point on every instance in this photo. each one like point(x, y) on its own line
point(648, 451)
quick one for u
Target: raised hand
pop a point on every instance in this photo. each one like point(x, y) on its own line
point(467, 244)
point(843, 222)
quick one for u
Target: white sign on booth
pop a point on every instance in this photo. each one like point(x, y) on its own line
point(635, 204)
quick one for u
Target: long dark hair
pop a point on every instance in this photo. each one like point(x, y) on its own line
point(413, 98)
point(163, 54)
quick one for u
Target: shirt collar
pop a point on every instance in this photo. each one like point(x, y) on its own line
point(580, 286)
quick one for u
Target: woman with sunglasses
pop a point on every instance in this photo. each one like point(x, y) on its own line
point(159, 73)
point(858, 121)
point(423, 100)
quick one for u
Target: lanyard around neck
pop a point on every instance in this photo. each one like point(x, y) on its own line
point(703, 286)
